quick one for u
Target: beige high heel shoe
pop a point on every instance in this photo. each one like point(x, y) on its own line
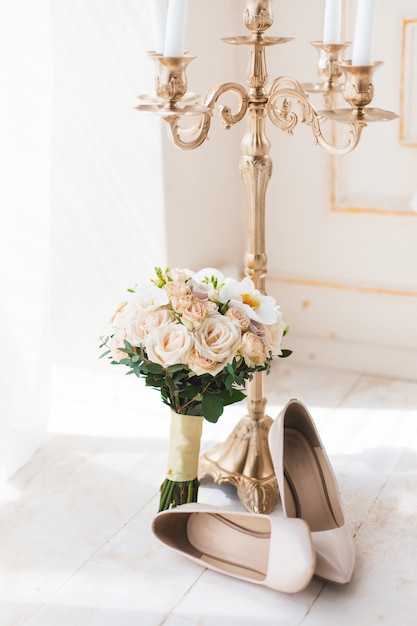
point(309, 490)
point(266, 550)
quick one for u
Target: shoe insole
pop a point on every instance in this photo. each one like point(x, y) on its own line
point(305, 490)
point(234, 543)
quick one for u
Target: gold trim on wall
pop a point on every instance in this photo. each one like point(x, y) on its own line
point(408, 26)
point(409, 29)
point(380, 291)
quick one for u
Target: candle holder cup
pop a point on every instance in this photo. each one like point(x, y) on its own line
point(258, 16)
point(328, 63)
point(171, 77)
point(358, 89)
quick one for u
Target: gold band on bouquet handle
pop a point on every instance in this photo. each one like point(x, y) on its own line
point(184, 446)
point(243, 460)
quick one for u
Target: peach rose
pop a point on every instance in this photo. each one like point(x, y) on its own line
point(239, 317)
point(193, 315)
point(201, 364)
point(177, 289)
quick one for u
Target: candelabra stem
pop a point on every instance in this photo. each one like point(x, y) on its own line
point(244, 460)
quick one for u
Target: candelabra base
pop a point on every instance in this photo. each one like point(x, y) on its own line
point(244, 461)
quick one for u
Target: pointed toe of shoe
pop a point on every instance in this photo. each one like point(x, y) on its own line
point(292, 557)
point(273, 551)
point(309, 490)
point(335, 553)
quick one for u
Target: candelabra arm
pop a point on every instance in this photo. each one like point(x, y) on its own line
point(281, 114)
point(198, 132)
point(227, 116)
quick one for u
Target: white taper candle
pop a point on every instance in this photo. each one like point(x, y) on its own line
point(362, 42)
point(175, 30)
point(332, 32)
point(159, 21)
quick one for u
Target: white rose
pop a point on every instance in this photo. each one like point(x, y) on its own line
point(170, 344)
point(217, 339)
point(252, 348)
point(145, 322)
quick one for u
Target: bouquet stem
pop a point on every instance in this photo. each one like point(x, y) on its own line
point(176, 493)
point(181, 483)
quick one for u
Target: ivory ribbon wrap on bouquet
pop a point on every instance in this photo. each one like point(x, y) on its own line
point(184, 446)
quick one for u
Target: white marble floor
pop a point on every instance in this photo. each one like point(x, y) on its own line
point(75, 543)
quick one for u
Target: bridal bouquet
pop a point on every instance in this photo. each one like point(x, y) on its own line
point(197, 338)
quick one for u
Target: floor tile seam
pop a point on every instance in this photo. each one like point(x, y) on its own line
point(182, 597)
point(313, 603)
point(347, 393)
point(84, 563)
point(376, 499)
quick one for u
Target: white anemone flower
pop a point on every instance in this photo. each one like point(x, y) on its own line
point(209, 272)
point(148, 296)
point(243, 294)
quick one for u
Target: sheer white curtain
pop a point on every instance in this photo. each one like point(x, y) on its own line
point(25, 163)
point(95, 187)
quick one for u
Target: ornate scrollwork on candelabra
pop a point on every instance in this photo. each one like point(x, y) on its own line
point(198, 133)
point(283, 116)
point(243, 459)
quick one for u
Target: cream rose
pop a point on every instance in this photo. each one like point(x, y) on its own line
point(253, 350)
point(117, 342)
point(239, 317)
point(217, 340)
point(125, 312)
point(145, 322)
point(274, 334)
point(170, 344)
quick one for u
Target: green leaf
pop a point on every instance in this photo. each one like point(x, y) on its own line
point(235, 396)
point(230, 368)
point(172, 369)
point(212, 407)
point(154, 368)
point(285, 353)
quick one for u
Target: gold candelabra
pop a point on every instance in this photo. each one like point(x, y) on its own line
point(243, 460)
